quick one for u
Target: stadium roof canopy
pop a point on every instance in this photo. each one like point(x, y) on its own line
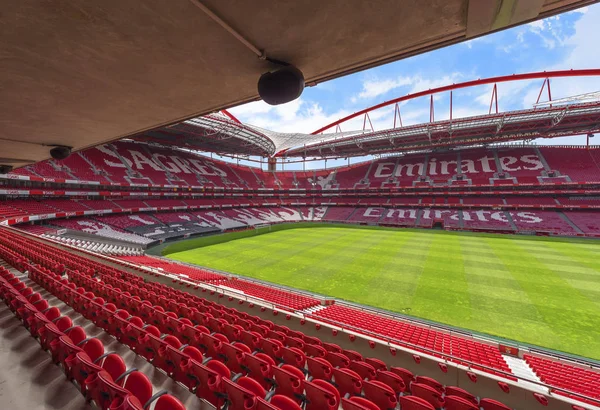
point(79, 72)
point(224, 134)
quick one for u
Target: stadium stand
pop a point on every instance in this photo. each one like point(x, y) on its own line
point(500, 190)
point(565, 375)
point(101, 229)
point(159, 329)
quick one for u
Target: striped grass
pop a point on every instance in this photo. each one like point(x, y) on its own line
point(541, 291)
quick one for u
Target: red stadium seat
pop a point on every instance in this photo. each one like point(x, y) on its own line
point(358, 403)
point(428, 393)
point(459, 403)
point(489, 404)
point(321, 395)
point(347, 382)
point(415, 403)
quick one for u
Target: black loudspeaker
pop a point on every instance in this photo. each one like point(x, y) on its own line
point(281, 86)
point(60, 152)
point(5, 169)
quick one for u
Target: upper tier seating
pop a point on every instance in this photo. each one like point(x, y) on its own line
point(157, 203)
point(67, 205)
point(131, 203)
point(8, 211)
point(81, 168)
point(130, 162)
point(32, 207)
point(578, 164)
point(46, 169)
point(98, 204)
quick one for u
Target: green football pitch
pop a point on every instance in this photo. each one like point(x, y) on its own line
point(542, 291)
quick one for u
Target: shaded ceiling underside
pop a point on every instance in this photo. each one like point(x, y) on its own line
point(81, 72)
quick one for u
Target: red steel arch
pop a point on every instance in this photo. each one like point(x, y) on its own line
point(231, 116)
point(466, 84)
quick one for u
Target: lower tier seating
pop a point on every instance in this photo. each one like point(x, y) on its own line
point(227, 356)
point(102, 377)
point(416, 337)
point(577, 379)
point(140, 313)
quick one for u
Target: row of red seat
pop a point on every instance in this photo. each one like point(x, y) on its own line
point(191, 272)
point(185, 363)
point(417, 336)
point(154, 293)
point(576, 379)
point(233, 338)
point(478, 165)
point(102, 377)
point(329, 362)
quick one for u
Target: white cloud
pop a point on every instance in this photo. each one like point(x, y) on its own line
point(296, 116)
point(550, 31)
point(537, 25)
point(374, 87)
point(582, 54)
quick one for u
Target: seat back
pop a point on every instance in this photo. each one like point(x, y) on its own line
point(458, 403)
point(138, 384)
point(293, 356)
point(108, 392)
point(259, 368)
point(289, 381)
point(81, 368)
point(489, 404)
point(392, 380)
point(112, 363)
point(457, 391)
point(235, 356)
point(380, 394)
point(338, 359)
point(347, 381)
point(428, 393)
point(358, 403)
point(238, 396)
point(407, 376)
point(414, 403)
point(319, 368)
point(209, 383)
point(272, 347)
point(315, 350)
point(277, 402)
point(365, 370)
point(430, 382)
point(321, 395)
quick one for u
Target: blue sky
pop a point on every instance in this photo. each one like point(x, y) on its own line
point(561, 42)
